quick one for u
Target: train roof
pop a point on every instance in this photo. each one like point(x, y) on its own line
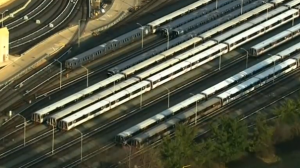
point(79, 94)
point(177, 13)
point(208, 16)
point(85, 111)
point(292, 3)
point(289, 50)
point(141, 125)
point(187, 102)
point(277, 68)
point(95, 97)
point(223, 84)
point(261, 26)
point(127, 35)
point(238, 88)
point(277, 1)
point(234, 21)
point(157, 129)
point(88, 52)
point(233, 31)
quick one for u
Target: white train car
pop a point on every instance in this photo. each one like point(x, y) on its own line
point(262, 28)
point(257, 81)
point(178, 68)
point(53, 119)
point(212, 104)
point(161, 56)
point(156, 23)
point(237, 20)
point(45, 112)
point(250, 23)
point(172, 61)
point(176, 59)
point(187, 65)
point(274, 41)
point(168, 126)
point(173, 43)
point(125, 135)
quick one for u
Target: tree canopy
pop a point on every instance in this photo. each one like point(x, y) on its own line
point(229, 139)
point(177, 152)
point(262, 137)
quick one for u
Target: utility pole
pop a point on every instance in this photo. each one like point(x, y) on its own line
point(246, 56)
point(142, 28)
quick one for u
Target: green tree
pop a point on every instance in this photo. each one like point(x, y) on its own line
point(205, 156)
point(262, 138)
point(288, 120)
point(229, 139)
point(179, 151)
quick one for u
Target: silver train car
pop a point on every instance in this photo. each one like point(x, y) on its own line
point(173, 72)
point(178, 13)
point(173, 43)
point(274, 41)
point(215, 103)
point(129, 37)
point(122, 137)
point(164, 30)
point(226, 9)
point(40, 115)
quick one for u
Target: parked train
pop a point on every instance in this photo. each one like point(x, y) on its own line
point(225, 35)
point(174, 71)
point(204, 95)
point(43, 113)
point(189, 17)
point(122, 137)
point(129, 37)
point(275, 41)
point(197, 32)
point(215, 103)
point(212, 16)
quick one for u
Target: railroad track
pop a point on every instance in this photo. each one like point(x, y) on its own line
point(31, 88)
point(92, 134)
point(33, 12)
point(204, 121)
point(25, 165)
point(55, 17)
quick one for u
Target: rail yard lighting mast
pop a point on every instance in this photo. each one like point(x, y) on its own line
point(60, 78)
point(168, 36)
point(2, 17)
point(267, 10)
point(24, 143)
point(242, 5)
point(273, 67)
point(141, 100)
point(52, 140)
point(247, 55)
point(168, 96)
point(142, 28)
point(220, 62)
point(196, 110)
point(81, 140)
point(87, 75)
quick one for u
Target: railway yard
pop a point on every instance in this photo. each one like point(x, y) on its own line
point(99, 102)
